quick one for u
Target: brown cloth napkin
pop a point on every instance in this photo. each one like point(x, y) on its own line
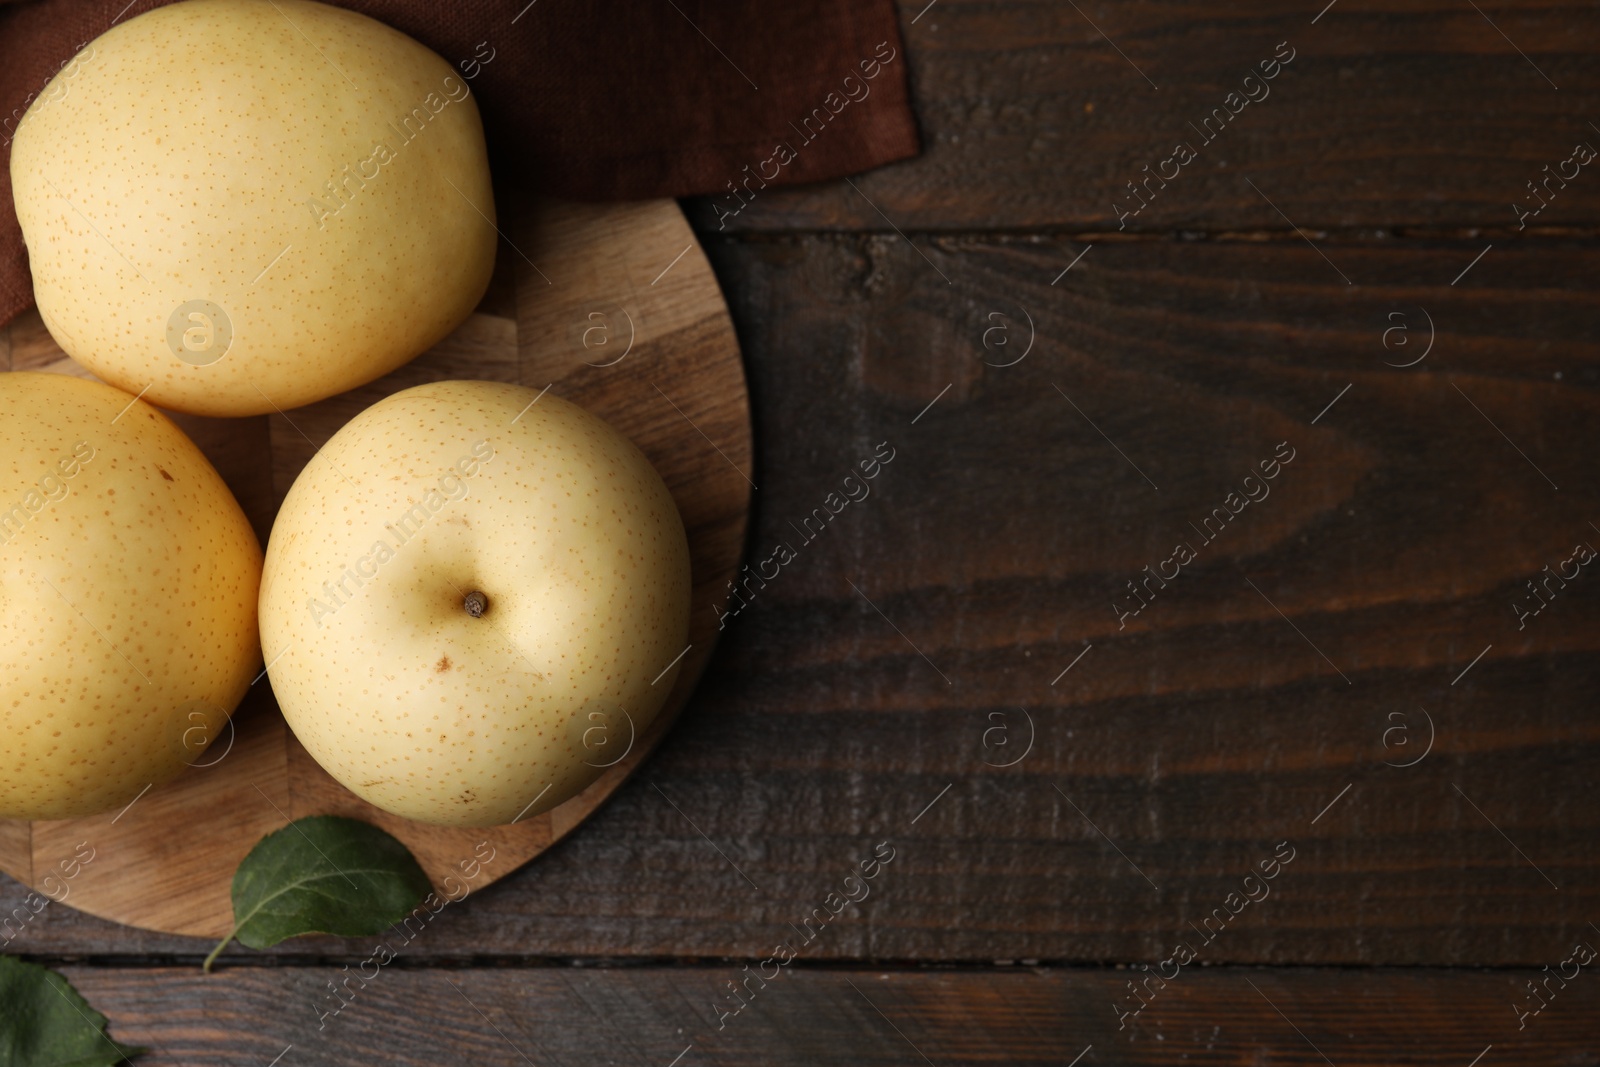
point(589, 99)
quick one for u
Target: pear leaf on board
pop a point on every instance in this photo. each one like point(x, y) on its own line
point(323, 874)
point(47, 1024)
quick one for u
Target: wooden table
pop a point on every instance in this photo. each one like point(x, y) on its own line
point(1077, 740)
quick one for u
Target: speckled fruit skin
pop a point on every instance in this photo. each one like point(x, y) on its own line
point(409, 701)
point(128, 584)
point(182, 157)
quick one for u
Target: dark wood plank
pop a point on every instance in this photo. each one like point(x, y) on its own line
point(1389, 116)
point(813, 1016)
point(1205, 731)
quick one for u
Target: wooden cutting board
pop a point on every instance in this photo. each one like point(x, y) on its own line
point(614, 307)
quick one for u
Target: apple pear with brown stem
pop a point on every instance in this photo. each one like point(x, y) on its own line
point(461, 584)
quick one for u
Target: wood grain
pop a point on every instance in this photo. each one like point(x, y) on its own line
point(1390, 116)
point(166, 863)
point(1205, 731)
point(1222, 1018)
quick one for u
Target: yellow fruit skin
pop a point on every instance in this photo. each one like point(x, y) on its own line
point(128, 584)
point(219, 159)
point(409, 701)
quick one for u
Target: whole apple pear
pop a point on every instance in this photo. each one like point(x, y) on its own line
point(473, 596)
point(249, 205)
point(128, 584)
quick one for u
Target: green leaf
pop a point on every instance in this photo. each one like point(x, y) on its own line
point(47, 1024)
point(322, 875)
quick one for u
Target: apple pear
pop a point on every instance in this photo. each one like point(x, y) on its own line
point(128, 585)
point(475, 596)
point(238, 206)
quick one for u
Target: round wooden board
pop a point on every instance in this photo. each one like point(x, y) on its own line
point(613, 307)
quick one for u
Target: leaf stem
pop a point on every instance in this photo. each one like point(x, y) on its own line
point(224, 943)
